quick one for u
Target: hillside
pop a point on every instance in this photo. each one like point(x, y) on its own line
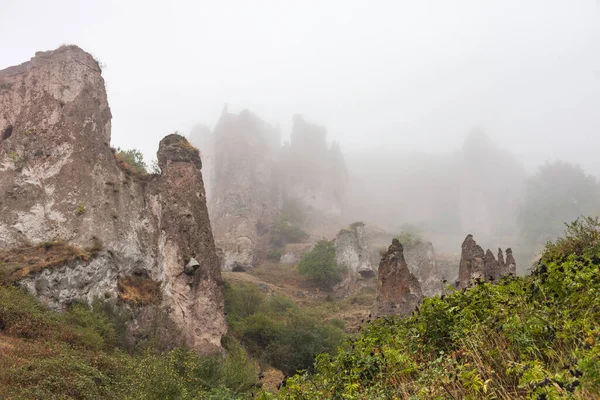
point(531, 337)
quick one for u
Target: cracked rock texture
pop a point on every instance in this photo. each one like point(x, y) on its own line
point(59, 181)
point(398, 290)
point(477, 265)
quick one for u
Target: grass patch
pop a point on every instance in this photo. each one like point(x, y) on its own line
point(139, 290)
point(18, 263)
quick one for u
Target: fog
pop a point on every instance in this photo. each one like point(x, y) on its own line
point(415, 76)
point(399, 84)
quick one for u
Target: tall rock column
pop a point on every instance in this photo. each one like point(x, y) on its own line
point(246, 197)
point(398, 291)
point(471, 265)
point(192, 277)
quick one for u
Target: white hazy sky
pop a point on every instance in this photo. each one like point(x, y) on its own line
point(406, 75)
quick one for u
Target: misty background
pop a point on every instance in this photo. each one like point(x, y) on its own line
point(437, 106)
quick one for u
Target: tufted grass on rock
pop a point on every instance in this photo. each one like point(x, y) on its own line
point(17, 263)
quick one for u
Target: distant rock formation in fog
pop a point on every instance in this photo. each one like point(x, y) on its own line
point(312, 171)
point(352, 251)
point(421, 261)
point(475, 265)
point(202, 138)
point(251, 172)
point(460, 190)
point(246, 195)
point(398, 290)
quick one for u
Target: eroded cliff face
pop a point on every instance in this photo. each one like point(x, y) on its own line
point(398, 290)
point(59, 180)
point(479, 266)
point(246, 197)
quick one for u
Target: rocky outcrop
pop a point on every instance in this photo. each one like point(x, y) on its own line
point(420, 257)
point(246, 194)
point(352, 251)
point(471, 265)
point(398, 291)
point(475, 265)
point(59, 180)
point(251, 173)
point(511, 263)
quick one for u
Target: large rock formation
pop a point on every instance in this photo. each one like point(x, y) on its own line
point(251, 172)
point(421, 261)
point(246, 195)
point(352, 251)
point(475, 265)
point(59, 180)
point(398, 291)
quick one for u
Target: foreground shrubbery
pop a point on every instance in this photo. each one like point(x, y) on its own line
point(276, 331)
point(535, 337)
point(81, 354)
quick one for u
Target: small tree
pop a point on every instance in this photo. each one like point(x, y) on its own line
point(134, 158)
point(319, 265)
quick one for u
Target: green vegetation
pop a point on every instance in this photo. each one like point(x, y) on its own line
point(80, 210)
point(535, 337)
point(558, 193)
point(19, 262)
point(319, 265)
point(408, 238)
point(283, 232)
point(276, 331)
point(132, 161)
point(82, 354)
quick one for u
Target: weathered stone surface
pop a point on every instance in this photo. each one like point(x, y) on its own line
point(246, 195)
point(471, 265)
point(491, 266)
point(477, 266)
point(422, 263)
point(59, 180)
point(511, 263)
point(352, 250)
point(398, 291)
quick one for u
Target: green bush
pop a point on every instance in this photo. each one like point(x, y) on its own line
point(407, 238)
point(319, 265)
point(133, 159)
point(283, 232)
point(277, 332)
point(535, 337)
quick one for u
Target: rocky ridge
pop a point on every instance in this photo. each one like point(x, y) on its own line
point(59, 180)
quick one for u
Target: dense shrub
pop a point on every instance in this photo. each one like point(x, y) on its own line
point(319, 265)
point(276, 331)
point(534, 337)
point(132, 160)
point(284, 231)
